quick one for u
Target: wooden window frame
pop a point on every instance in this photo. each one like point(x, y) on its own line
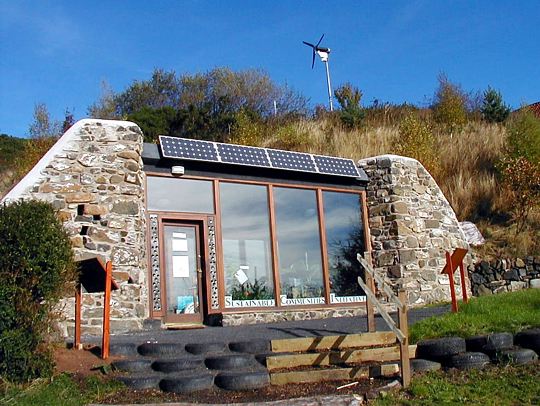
point(318, 189)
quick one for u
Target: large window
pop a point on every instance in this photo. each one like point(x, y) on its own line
point(180, 195)
point(299, 246)
point(246, 242)
point(344, 239)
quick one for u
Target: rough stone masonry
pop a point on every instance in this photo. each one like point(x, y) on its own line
point(93, 176)
point(412, 225)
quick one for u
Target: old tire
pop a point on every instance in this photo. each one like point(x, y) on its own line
point(140, 382)
point(476, 343)
point(122, 349)
point(160, 349)
point(529, 339)
point(229, 361)
point(440, 349)
point(203, 348)
point(424, 365)
point(242, 380)
point(517, 356)
point(497, 342)
point(187, 384)
point(176, 365)
point(468, 360)
point(251, 347)
point(132, 365)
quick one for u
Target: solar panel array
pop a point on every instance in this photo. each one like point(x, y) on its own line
point(182, 148)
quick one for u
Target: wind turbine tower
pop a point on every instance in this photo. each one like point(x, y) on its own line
point(323, 54)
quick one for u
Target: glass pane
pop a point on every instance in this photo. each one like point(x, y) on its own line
point(344, 239)
point(181, 270)
point(247, 255)
point(299, 247)
point(181, 195)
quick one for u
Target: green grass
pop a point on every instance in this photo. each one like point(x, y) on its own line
point(492, 386)
point(62, 390)
point(512, 312)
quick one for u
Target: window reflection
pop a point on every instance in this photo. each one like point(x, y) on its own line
point(246, 245)
point(344, 239)
point(180, 195)
point(299, 248)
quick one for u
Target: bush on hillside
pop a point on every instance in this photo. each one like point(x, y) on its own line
point(493, 108)
point(348, 96)
point(36, 266)
point(415, 140)
point(449, 105)
point(524, 136)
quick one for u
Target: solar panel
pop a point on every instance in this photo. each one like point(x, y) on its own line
point(295, 161)
point(243, 155)
point(173, 147)
point(336, 166)
point(182, 148)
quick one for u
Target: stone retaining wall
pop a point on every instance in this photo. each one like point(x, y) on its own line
point(93, 176)
point(412, 225)
point(504, 275)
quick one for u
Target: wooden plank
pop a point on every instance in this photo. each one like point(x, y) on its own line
point(326, 343)
point(382, 312)
point(380, 281)
point(78, 303)
point(404, 345)
point(335, 358)
point(370, 310)
point(106, 311)
point(334, 374)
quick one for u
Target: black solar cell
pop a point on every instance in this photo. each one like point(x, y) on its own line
point(296, 161)
point(173, 147)
point(243, 155)
point(336, 166)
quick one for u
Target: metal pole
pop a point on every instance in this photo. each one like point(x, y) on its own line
point(329, 86)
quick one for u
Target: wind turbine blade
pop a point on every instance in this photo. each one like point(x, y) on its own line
point(322, 36)
point(313, 60)
point(308, 44)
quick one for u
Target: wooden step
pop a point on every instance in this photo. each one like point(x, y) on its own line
point(335, 357)
point(327, 343)
point(333, 374)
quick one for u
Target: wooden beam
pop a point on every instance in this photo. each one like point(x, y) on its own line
point(382, 285)
point(335, 358)
point(332, 374)
point(326, 343)
point(78, 304)
point(404, 345)
point(106, 311)
point(370, 310)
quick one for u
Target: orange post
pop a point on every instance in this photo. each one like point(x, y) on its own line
point(463, 284)
point(106, 311)
point(78, 299)
point(451, 279)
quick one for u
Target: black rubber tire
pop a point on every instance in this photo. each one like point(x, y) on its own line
point(440, 349)
point(497, 342)
point(203, 348)
point(242, 380)
point(468, 360)
point(187, 384)
point(251, 347)
point(160, 349)
point(176, 365)
point(133, 365)
point(224, 362)
point(424, 365)
point(122, 349)
point(517, 356)
point(529, 339)
point(476, 343)
point(140, 382)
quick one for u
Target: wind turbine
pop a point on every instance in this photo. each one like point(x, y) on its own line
point(323, 54)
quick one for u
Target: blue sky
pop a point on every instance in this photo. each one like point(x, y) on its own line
point(58, 52)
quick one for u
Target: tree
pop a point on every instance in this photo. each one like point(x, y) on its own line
point(449, 105)
point(523, 138)
point(493, 108)
point(43, 126)
point(154, 122)
point(105, 107)
point(348, 97)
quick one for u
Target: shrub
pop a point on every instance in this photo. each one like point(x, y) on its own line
point(351, 115)
point(36, 265)
point(449, 105)
point(524, 136)
point(493, 108)
point(415, 140)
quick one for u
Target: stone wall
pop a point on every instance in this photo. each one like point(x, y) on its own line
point(93, 176)
point(504, 275)
point(412, 225)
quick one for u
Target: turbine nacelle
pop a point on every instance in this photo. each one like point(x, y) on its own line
point(321, 51)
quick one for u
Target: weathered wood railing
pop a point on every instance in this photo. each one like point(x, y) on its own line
point(401, 329)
